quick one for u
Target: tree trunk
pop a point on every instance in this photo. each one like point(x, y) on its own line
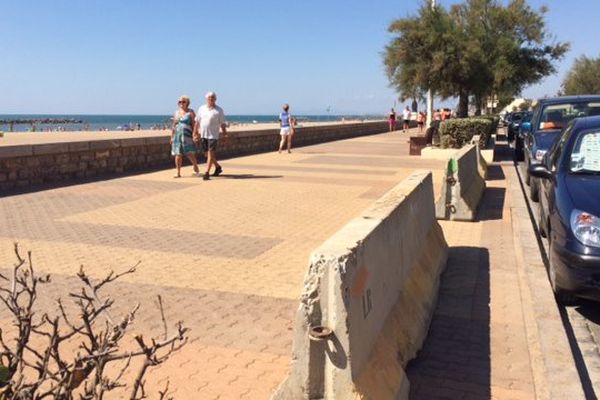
point(463, 105)
point(478, 104)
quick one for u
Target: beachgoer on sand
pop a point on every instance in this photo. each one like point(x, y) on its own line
point(287, 128)
point(406, 117)
point(182, 136)
point(206, 130)
point(392, 119)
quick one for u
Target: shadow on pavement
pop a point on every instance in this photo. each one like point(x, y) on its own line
point(590, 310)
point(493, 198)
point(455, 359)
point(495, 173)
point(249, 176)
point(503, 152)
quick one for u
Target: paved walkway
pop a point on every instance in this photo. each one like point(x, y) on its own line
point(228, 256)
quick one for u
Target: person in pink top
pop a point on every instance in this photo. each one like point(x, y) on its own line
point(392, 119)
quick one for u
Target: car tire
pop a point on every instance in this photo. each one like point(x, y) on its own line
point(563, 297)
point(534, 192)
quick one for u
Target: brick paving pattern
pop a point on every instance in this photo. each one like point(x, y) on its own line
point(228, 256)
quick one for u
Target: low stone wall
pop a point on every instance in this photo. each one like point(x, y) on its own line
point(24, 165)
point(374, 284)
point(463, 185)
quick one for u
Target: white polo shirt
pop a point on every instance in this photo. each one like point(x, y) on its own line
point(210, 120)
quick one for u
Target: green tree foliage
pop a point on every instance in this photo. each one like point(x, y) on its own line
point(583, 77)
point(478, 48)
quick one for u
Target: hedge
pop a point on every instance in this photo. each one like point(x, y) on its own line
point(455, 133)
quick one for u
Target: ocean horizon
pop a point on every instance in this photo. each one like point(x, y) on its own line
point(99, 122)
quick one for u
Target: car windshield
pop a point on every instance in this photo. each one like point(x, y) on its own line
point(557, 116)
point(585, 157)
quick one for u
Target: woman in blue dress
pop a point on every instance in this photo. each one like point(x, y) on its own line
point(181, 136)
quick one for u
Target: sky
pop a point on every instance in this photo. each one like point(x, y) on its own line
point(138, 56)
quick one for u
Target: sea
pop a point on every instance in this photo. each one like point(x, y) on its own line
point(73, 122)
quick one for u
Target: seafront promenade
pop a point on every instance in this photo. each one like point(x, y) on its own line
point(228, 256)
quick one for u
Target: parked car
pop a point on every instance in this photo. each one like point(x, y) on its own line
point(550, 117)
point(570, 210)
point(515, 122)
point(520, 137)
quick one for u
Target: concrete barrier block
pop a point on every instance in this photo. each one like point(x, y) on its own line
point(374, 285)
point(463, 185)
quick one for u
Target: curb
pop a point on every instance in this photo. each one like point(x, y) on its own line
point(553, 365)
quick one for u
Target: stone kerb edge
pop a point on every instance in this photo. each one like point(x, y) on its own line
point(362, 270)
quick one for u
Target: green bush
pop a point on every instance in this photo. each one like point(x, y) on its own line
point(456, 133)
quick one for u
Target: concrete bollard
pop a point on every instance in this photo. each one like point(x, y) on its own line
point(367, 300)
point(463, 185)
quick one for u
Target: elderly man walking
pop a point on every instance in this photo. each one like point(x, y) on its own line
point(209, 119)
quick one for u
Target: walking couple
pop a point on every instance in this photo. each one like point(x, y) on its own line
point(191, 129)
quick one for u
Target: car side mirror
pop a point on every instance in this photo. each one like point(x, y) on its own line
point(526, 127)
point(540, 171)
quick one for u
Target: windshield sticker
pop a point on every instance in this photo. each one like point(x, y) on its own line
point(588, 157)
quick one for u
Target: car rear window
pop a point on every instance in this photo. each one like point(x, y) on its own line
point(557, 116)
point(585, 156)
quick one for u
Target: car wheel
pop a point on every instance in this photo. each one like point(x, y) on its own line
point(534, 193)
point(562, 296)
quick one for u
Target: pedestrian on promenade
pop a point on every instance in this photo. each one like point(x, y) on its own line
point(437, 115)
point(392, 119)
point(182, 136)
point(421, 120)
point(287, 128)
point(206, 130)
point(445, 114)
point(406, 117)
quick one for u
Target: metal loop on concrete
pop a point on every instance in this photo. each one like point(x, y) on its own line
point(319, 333)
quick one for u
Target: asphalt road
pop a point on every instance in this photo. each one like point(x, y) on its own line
point(581, 322)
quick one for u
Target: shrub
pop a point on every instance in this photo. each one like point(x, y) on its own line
point(456, 133)
point(34, 362)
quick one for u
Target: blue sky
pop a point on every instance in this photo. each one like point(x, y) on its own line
point(138, 56)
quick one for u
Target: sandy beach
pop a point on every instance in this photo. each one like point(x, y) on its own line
point(25, 138)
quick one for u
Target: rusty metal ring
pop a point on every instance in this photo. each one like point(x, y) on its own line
point(319, 333)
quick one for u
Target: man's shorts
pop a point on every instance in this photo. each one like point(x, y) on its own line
point(407, 121)
point(209, 144)
point(285, 131)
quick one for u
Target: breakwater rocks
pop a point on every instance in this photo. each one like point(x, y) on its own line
point(40, 121)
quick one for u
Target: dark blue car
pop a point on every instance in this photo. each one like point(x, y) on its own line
point(570, 210)
point(550, 117)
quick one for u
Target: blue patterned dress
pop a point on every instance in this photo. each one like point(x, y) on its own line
point(183, 142)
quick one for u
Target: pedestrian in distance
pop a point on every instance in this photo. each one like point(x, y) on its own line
point(392, 120)
point(182, 141)
point(209, 120)
point(406, 117)
point(286, 121)
point(420, 120)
